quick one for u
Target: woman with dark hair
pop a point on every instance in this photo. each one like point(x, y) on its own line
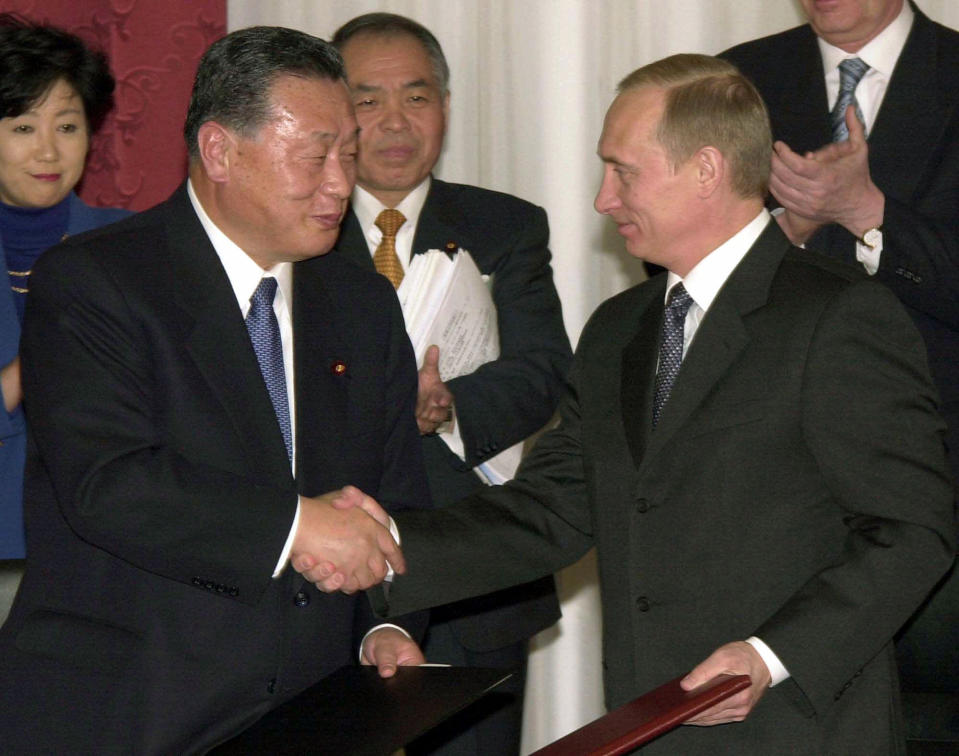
point(54, 92)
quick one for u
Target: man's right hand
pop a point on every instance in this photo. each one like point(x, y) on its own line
point(342, 542)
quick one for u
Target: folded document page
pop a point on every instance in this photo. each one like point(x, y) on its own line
point(446, 301)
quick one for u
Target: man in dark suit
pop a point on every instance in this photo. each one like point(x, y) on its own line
point(889, 203)
point(759, 464)
point(181, 456)
point(399, 78)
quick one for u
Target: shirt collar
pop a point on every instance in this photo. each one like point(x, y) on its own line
point(243, 272)
point(880, 53)
point(705, 280)
point(367, 207)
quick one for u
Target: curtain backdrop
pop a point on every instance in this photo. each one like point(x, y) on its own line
point(531, 80)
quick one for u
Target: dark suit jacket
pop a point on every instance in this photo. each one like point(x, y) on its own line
point(506, 400)
point(159, 493)
point(795, 489)
point(913, 159)
point(13, 431)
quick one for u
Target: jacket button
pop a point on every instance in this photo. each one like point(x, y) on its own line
point(301, 599)
point(642, 603)
point(642, 506)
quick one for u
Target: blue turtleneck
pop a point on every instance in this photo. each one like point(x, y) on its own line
point(25, 233)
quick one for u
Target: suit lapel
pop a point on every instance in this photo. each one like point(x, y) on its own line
point(322, 363)
point(639, 373)
point(720, 339)
point(913, 115)
point(440, 217)
point(802, 109)
point(352, 243)
point(218, 341)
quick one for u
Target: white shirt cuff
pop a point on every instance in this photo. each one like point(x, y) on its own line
point(868, 256)
point(288, 546)
point(380, 627)
point(450, 433)
point(395, 532)
point(777, 671)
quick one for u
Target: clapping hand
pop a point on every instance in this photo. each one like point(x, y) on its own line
point(829, 185)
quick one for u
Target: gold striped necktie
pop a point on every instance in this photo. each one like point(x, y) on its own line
point(385, 259)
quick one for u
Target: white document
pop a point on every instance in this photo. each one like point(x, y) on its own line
point(446, 301)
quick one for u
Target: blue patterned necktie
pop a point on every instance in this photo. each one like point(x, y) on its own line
point(671, 347)
point(850, 72)
point(264, 331)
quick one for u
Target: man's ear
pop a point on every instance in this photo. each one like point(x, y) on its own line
point(710, 170)
point(217, 147)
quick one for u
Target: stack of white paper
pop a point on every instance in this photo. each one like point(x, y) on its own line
point(446, 301)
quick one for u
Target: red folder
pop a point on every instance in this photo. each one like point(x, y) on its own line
point(644, 718)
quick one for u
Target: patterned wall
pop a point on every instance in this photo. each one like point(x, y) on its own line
point(137, 157)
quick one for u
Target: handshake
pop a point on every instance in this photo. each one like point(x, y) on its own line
point(343, 542)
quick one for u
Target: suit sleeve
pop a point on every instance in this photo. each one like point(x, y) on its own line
point(509, 399)
point(95, 413)
point(505, 535)
point(869, 421)
point(920, 257)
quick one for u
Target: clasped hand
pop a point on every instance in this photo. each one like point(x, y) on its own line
point(343, 542)
point(830, 185)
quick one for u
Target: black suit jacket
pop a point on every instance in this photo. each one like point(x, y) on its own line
point(913, 159)
point(795, 489)
point(507, 400)
point(159, 494)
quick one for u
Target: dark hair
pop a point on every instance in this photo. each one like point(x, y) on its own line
point(236, 75)
point(390, 25)
point(34, 57)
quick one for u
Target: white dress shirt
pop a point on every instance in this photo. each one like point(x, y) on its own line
point(702, 284)
point(881, 55)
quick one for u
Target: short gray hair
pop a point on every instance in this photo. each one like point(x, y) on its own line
point(392, 25)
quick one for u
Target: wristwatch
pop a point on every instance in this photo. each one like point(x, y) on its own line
point(872, 237)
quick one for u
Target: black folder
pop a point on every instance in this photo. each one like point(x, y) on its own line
point(355, 712)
